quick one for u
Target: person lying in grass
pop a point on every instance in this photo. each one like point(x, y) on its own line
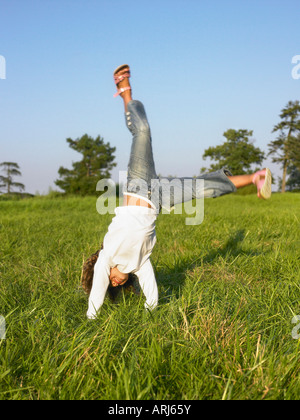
point(128, 244)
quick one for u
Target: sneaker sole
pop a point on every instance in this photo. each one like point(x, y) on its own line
point(266, 190)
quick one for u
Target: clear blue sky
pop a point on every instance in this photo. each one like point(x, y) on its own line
point(200, 67)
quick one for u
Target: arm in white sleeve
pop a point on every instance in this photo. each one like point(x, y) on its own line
point(148, 284)
point(100, 285)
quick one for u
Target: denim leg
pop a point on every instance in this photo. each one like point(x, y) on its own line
point(141, 167)
point(142, 178)
point(179, 190)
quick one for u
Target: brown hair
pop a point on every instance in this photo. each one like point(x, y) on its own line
point(87, 274)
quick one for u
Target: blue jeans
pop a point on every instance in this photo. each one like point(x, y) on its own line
point(164, 192)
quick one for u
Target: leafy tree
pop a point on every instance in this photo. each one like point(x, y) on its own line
point(294, 150)
point(285, 148)
point(237, 153)
point(96, 163)
point(11, 170)
point(293, 182)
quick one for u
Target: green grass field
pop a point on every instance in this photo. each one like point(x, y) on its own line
point(229, 289)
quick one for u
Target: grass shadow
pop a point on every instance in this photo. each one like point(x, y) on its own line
point(172, 279)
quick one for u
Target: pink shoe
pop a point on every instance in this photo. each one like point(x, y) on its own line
point(264, 184)
point(120, 74)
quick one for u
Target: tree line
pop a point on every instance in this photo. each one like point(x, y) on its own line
point(237, 153)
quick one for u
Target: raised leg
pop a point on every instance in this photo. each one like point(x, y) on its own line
point(121, 76)
point(141, 167)
point(240, 181)
point(262, 179)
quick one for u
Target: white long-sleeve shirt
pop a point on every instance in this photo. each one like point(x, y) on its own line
point(127, 245)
